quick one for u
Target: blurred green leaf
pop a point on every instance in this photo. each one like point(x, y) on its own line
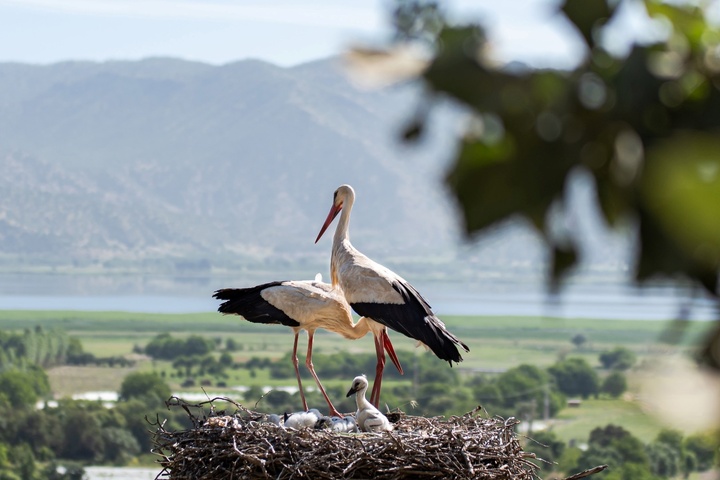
point(681, 190)
point(710, 354)
point(612, 200)
point(586, 15)
point(687, 19)
point(483, 183)
point(646, 125)
point(563, 258)
point(659, 254)
point(493, 182)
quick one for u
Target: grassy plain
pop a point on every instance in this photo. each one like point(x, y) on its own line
point(575, 423)
point(496, 344)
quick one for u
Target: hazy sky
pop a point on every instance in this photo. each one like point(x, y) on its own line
point(285, 32)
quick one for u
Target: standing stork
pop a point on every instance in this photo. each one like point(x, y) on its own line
point(379, 294)
point(300, 305)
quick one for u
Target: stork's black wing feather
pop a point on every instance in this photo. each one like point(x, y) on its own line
point(249, 303)
point(414, 319)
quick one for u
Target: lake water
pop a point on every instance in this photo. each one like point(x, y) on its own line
point(164, 294)
point(121, 473)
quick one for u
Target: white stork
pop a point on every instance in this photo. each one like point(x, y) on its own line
point(300, 305)
point(368, 418)
point(308, 419)
point(379, 294)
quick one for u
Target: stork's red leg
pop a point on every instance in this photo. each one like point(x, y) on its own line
point(377, 384)
point(309, 365)
point(297, 372)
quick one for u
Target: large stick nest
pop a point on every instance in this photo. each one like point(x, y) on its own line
point(244, 445)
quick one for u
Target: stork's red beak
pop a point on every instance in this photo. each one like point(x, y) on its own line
point(334, 210)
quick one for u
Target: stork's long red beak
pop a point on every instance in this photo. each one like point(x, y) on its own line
point(334, 210)
point(391, 351)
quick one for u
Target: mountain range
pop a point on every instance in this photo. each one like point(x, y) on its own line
point(166, 163)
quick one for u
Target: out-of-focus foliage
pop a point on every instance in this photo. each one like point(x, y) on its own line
point(705, 447)
point(166, 347)
point(619, 358)
point(575, 377)
point(669, 455)
point(614, 384)
point(35, 346)
point(620, 450)
point(644, 125)
point(144, 385)
point(22, 388)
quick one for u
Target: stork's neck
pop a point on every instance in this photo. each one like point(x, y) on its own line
point(360, 400)
point(357, 330)
point(341, 240)
point(342, 231)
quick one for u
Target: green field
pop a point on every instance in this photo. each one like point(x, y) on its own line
point(575, 423)
point(496, 344)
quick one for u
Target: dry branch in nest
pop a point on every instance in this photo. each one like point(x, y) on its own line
point(243, 445)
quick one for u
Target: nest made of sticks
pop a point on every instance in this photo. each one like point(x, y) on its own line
point(243, 445)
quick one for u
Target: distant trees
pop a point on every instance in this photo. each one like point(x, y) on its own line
point(579, 340)
point(47, 348)
point(31, 440)
point(528, 385)
point(619, 358)
point(574, 376)
point(669, 455)
point(614, 384)
point(615, 446)
point(23, 388)
point(145, 385)
point(231, 345)
point(35, 346)
point(166, 347)
point(705, 447)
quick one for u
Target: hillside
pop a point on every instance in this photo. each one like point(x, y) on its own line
point(164, 162)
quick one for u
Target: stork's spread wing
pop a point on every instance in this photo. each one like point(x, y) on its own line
point(250, 304)
point(301, 300)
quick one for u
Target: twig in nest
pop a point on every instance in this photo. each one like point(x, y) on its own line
point(587, 473)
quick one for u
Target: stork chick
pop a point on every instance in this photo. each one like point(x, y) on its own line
point(368, 418)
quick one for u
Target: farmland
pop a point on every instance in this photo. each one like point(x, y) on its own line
point(496, 344)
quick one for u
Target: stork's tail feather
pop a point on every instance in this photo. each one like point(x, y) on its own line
point(444, 344)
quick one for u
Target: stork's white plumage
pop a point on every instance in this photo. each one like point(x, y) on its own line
point(368, 418)
point(343, 425)
point(276, 419)
point(381, 295)
point(300, 305)
point(306, 419)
